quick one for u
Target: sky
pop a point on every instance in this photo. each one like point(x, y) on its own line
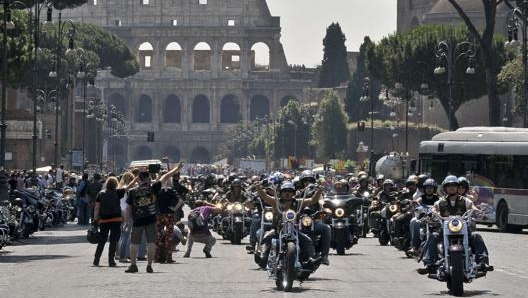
point(304, 24)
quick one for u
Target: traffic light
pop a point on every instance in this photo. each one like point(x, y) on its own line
point(361, 126)
point(150, 136)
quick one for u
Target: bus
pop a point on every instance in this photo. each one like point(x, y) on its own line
point(495, 161)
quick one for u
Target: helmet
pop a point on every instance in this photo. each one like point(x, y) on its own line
point(287, 185)
point(343, 183)
point(307, 175)
point(236, 183)
point(362, 178)
point(361, 173)
point(463, 182)
point(412, 179)
point(380, 177)
point(276, 178)
point(388, 182)
point(18, 202)
point(93, 235)
point(232, 176)
point(451, 179)
point(421, 180)
point(430, 182)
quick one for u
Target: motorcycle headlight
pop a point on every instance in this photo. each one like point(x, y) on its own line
point(268, 215)
point(306, 221)
point(393, 208)
point(230, 207)
point(219, 205)
point(238, 207)
point(289, 215)
point(339, 212)
point(455, 225)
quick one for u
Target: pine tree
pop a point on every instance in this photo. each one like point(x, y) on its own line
point(334, 69)
point(355, 109)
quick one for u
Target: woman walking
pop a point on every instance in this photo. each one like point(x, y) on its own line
point(108, 215)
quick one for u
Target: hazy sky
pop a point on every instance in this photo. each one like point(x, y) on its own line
point(304, 24)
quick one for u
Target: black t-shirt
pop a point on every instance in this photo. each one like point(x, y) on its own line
point(110, 203)
point(167, 197)
point(143, 201)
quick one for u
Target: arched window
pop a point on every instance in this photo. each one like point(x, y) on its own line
point(259, 107)
point(260, 57)
point(200, 155)
point(200, 109)
point(144, 109)
point(119, 102)
point(146, 51)
point(230, 57)
point(229, 109)
point(172, 109)
point(173, 55)
point(202, 56)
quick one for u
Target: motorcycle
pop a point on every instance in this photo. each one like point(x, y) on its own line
point(457, 263)
point(235, 223)
point(4, 227)
point(266, 224)
point(284, 261)
point(345, 220)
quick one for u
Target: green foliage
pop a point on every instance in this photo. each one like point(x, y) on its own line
point(410, 59)
point(512, 75)
point(334, 69)
point(293, 132)
point(329, 128)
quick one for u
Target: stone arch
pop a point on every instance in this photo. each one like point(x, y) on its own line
point(231, 57)
point(202, 56)
point(200, 155)
point(259, 107)
point(229, 109)
point(144, 109)
point(173, 153)
point(286, 99)
point(260, 57)
point(146, 51)
point(200, 109)
point(172, 109)
point(143, 152)
point(119, 102)
point(173, 55)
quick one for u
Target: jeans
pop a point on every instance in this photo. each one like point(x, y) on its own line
point(255, 225)
point(124, 244)
point(475, 242)
point(414, 228)
point(206, 239)
point(325, 232)
point(115, 230)
point(83, 212)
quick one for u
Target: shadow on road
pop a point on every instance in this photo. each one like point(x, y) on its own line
point(29, 258)
point(298, 289)
point(494, 230)
point(51, 239)
point(473, 293)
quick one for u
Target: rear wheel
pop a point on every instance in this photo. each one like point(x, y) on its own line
point(455, 283)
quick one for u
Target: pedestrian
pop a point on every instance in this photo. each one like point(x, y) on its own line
point(201, 233)
point(141, 207)
point(83, 211)
point(167, 200)
point(107, 214)
point(92, 191)
point(124, 240)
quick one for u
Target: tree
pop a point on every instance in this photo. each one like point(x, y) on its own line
point(410, 59)
point(512, 75)
point(293, 133)
point(487, 49)
point(334, 69)
point(329, 128)
point(356, 109)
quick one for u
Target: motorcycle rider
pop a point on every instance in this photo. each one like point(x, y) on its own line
point(363, 185)
point(379, 184)
point(308, 190)
point(385, 196)
point(286, 200)
point(235, 193)
point(453, 204)
point(426, 200)
point(464, 189)
point(341, 187)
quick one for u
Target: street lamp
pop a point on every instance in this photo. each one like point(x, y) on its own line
point(517, 17)
point(366, 97)
point(55, 72)
point(448, 54)
point(3, 125)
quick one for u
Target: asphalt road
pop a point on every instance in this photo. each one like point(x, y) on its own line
point(58, 263)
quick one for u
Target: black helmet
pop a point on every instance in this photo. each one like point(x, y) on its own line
point(430, 182)
point(462, 181)
point(421, 180)
point(93, 236)
point(236, 182)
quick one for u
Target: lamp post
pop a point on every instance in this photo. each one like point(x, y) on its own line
point(55, 72)
point(81, 75)
point(7, 24)
point(366, 97)
point(518, 17)
point(449, 55)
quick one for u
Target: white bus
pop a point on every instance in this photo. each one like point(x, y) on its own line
point(495, 161)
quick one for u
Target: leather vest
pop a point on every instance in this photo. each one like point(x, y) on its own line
point(429, 201)
point(447, 210)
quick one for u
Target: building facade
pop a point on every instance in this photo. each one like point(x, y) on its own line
point(205, 66)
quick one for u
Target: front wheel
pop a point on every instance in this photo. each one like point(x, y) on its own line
point(236, 236)
point(383, 238)
point(340, 239)
point(287, 273)
point(455, 282)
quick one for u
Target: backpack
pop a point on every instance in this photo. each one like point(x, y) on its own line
point(195, 220)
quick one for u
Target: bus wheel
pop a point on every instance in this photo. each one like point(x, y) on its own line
point(502, 217)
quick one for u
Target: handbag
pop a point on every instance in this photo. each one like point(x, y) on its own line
point(93, 235)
